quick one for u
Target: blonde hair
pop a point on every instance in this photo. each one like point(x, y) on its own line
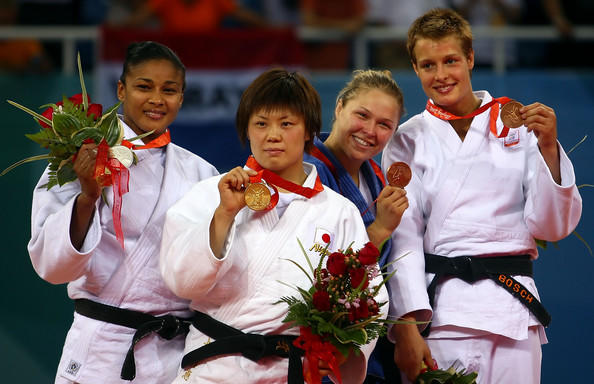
point(368, 79)
point(437, 24)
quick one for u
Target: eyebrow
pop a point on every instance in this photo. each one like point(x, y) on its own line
point(168, 82)
point(381, 118)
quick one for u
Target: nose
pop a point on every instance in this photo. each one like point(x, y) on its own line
point(274, 132)
point(441, 72)
point(155, 98)
point(368, 127)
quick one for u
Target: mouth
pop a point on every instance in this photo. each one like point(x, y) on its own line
point(155, 115)
point(445, 88)
point(362, 142)
point(273, 151)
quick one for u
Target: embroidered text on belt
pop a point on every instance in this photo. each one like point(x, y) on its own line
point(499, 269)
point(167, 326)
point(227, 339)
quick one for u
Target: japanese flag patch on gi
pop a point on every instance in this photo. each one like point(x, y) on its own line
point(323, 236)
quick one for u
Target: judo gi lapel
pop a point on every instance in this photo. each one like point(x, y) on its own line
point(173, 186)
point(456, 168)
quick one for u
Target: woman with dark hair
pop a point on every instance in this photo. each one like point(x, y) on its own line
point(126, 322)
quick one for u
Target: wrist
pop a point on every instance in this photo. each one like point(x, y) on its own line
point(377, 233)
point(84, 201)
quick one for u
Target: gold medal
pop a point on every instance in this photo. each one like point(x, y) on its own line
point(399, 174)
point(510, 114)
point(257, 196)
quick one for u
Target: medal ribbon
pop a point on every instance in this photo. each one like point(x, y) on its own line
point(494, 113)
point(120, 176)
point(160, 141)
point(315, 350)
point(275, 180)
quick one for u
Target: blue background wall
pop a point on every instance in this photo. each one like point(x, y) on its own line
point(36, 315)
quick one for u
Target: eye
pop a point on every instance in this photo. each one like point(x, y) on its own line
point(426, 65)
point(142, 87)
point(287, 124)
point(170, 91)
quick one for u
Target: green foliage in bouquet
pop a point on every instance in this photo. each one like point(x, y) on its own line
point(65, 126)
point(448, 376)
point(340, 305)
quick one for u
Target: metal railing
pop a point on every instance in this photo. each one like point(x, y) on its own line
point(68, 36)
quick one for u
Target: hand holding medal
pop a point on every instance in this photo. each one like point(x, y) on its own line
point(398, 175)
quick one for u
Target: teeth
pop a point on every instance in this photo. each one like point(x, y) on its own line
point(362, 142)
point(154, 114)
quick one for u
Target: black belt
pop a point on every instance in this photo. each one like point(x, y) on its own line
point(228, 340)
point(499, 269)
point(167, 326)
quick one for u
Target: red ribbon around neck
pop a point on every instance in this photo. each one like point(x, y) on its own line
point(119, 176)
point(494, 113)
point(316, 349)
point(275, 181)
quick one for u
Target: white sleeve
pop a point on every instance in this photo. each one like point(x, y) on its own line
point(52, 254)
point(407, 287)
point(552, 211)
point(187, 263)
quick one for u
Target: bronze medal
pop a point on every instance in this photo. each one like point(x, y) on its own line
point(510, 114)
point(257, 196)
point(399, 174)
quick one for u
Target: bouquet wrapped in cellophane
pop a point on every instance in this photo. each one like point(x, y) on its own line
point(66, 126)
point(339, 312)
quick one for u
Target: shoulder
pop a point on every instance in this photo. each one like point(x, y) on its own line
point(413, 127)
point(336, 200)
point(191, 161)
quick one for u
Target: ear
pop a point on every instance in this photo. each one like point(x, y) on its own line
point(338, 108)
point(121, 91)
point(470, 59)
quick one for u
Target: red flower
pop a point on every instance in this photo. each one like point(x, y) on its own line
point(321, 300)
point(94, 109)
point(360, 312)
point(373, 306)
point(368, 254)
point(358, 275)
point(336, 263)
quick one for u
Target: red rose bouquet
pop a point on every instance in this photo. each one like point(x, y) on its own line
point(339, 312)
point(66, 126)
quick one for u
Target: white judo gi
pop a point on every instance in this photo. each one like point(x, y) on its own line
point(241, 288)
point(481, 196)
point(104, 272)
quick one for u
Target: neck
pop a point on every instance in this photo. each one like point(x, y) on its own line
point(351, 166)
point(466, 107)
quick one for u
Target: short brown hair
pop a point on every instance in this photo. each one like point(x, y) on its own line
point(437, 24)
point(279, 89)
point(368, 79)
